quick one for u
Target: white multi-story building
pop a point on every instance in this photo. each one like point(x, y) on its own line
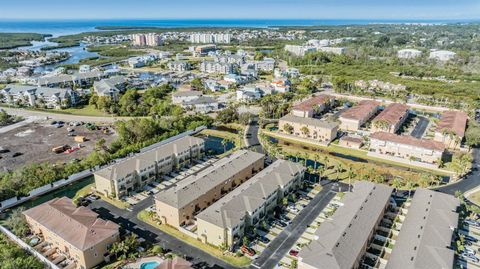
point(214, 67)
point(206, 38)
point(442, 55)
point(33, 95)
point(179, 66)
point(299, 50)
point(150, 39)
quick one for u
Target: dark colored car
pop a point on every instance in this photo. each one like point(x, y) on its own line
point(293, 252)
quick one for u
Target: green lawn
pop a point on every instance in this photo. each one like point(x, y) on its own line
point(225, 256)
point(475, 197)
point(83, 191)
point(87, 110)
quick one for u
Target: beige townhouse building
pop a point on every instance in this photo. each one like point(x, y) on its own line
point(77, 233)
point(355, 117)
point(341, 242)
point(131, 174)
point(223, 224)
point(390, 119)
point(315, 129)
point(179, 205)
point(407, 147)
point(313, 106)
point(451, 129)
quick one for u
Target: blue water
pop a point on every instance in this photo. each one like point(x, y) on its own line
point(66, 27)
point(149, 265)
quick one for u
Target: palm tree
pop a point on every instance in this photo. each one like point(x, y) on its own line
point(325, 161)
point(350, 175)
point(305, 131)
point(225, 142)
point(338, 170)
point(288, 128)
point(320, 171)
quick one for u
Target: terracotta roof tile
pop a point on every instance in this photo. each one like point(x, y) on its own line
point(408, 140)
point(455, 121)
point(361, 110)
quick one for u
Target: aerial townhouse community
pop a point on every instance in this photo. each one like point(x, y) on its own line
point(370, 229)
point(224, 222)
point(73, 235)
point(131, 174)
point(39, 96)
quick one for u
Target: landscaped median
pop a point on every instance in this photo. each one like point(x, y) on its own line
point(362, 154)
point(241, 261)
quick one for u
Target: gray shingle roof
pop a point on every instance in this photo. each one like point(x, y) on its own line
point(426, 233)
point(228, 211)
point(340, 241)
point(310, 121)
point(39, 91)
point(145, 159)
point(197, 185)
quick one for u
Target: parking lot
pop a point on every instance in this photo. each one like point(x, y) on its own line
point(168, 181)
point(272, 226)
point(468, 254)
point(33, 143)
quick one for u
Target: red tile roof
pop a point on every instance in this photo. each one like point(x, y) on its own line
point(175, 263)
point(361, 110)
point(78, 226)
point(455, 121)
point(408, 140)
point(310, 103)
point(392, 113)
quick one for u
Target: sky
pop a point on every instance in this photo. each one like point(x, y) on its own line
point(240, 9)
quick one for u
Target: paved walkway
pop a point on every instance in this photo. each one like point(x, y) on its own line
point(14, 126)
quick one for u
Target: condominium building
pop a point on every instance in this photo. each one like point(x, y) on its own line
point(206, 38)
point(111, 87)
point(312, 106)
point(41, 96)
point(178, 205)
point(357, 116)
point(310, 128)
point(216, 67)
point(442, 55)
point(150, 39)
point(426, 234)
point(224, 222)
point(299, 50)
point(341, 242)
point(203, 50)
point(451, 128)
point(333, 50)
point(390, 119)
point(77, 233)
point(407, 147)
point(128, 175)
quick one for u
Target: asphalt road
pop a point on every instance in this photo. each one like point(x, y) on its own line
point(281, 245)
point(470, 182)
point(129, 222)
point(420, 128)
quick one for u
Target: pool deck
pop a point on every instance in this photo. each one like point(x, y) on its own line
point(139, 262)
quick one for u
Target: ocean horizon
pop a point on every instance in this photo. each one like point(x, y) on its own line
point(67, 27)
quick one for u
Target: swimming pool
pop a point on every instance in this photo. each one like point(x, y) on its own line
point(149, 265)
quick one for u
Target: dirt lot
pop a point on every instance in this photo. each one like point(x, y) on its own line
point(34, 141)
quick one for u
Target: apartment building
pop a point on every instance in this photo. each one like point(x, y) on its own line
point(357, 116)
point(216, 67)
point(427, 232)
point(312, 106)
point(409, 54)
point(179, 205)
point(341, 242)
point(407, 147)
point(150, 39)
point(224, 222)
point(299, 50)
point(179, 66)
point(131, 174)
point(203, 104)
point(41, 96)
point(451, 128)
point(318, 130)
point(390, 119)
point(77, 233)
point(203, 50)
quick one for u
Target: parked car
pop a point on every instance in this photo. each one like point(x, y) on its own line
point(471, 238)
point(248, 251)
point(281, 224)
point(263, 239)
point(470, 257)
point(472, 222)
point(293, 252)
point(469, 251)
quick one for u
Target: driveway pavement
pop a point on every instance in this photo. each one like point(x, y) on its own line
point(279, 247)
point(420, 128)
